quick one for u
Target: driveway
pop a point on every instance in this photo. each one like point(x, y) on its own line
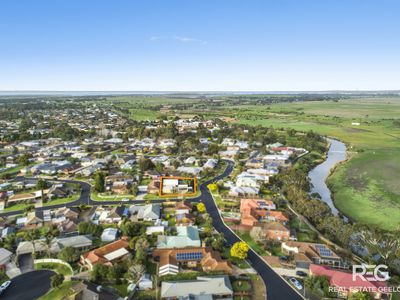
point(28, 286)
point(25, 263)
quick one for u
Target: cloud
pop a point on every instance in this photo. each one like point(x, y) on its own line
point(180, 39)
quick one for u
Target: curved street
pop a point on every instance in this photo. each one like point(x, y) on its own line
point(277, 287)
point(28, 286)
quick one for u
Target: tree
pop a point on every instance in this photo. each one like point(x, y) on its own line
point(239, 250)
point(146, 164)
point(99, 181)
point(218, 242)
point(99, 272)
point(57, 280)
point(213, 187)
point(201, 208)
point(134, 190)
point(41, 185)
point(69, 254)
point(133, 229)
point(89, 228)
point(386, 244)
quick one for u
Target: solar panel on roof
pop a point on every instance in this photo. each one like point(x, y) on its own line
point(189, 256)
point(323, 251)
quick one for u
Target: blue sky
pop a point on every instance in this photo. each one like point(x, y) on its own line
point(217, 45)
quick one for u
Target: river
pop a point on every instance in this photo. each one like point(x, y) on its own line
point(318, 175)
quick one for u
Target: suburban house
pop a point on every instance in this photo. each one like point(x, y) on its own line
point(152, 188)
point(59, 190)
point(251, 179)
point(148, 212)
point(255, 210)
point(80, 242)
point(5, 256)
point(346, 284)
point(228, 154)
point(69, 213)
point(215, 287)
point(275, 215)
point(305, 254)
point(171, 261)
point(280, 159)
point(211, 163)
point(32, 220)
point(107, 254)
point(243, 191)
point(187, 236)
point(87, 290)
point(109, 234)
point(272, 231)
point(105, 215)
point(118, 183)
point(56, 245)
point(248, 180)
point(195, 171)
point(175, 186)
point(182, 207)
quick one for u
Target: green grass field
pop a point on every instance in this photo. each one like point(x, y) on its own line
point(367, 188)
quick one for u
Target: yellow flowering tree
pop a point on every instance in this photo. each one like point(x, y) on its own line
point(201, 208)
point(213, 187)
point(240, 250)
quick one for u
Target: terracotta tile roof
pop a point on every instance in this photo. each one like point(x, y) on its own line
point(211, 260)
point(98, 255)
point(345, 280)
point(307, 251)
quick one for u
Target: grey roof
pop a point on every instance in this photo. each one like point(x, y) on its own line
point(78, 241)
point(149, 211)
point(201, 289)
point(187, 236)
point(4, 254)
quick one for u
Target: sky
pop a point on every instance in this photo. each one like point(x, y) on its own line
point(207, 45)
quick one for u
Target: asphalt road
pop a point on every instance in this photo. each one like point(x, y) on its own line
point(28, 286)
point(277, 287)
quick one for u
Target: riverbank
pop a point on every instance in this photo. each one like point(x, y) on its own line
point(337, 153)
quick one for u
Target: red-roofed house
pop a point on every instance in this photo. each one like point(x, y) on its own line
point(107, 254)
point(345, 284)
point(255, 210)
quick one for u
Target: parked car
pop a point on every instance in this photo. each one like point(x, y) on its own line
point(4, 286)
point(296, 283)
point(284, 258)
point(301, 273)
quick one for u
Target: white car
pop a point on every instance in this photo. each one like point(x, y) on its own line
point(125, 200)
point(296, 283)
point(4, 286)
